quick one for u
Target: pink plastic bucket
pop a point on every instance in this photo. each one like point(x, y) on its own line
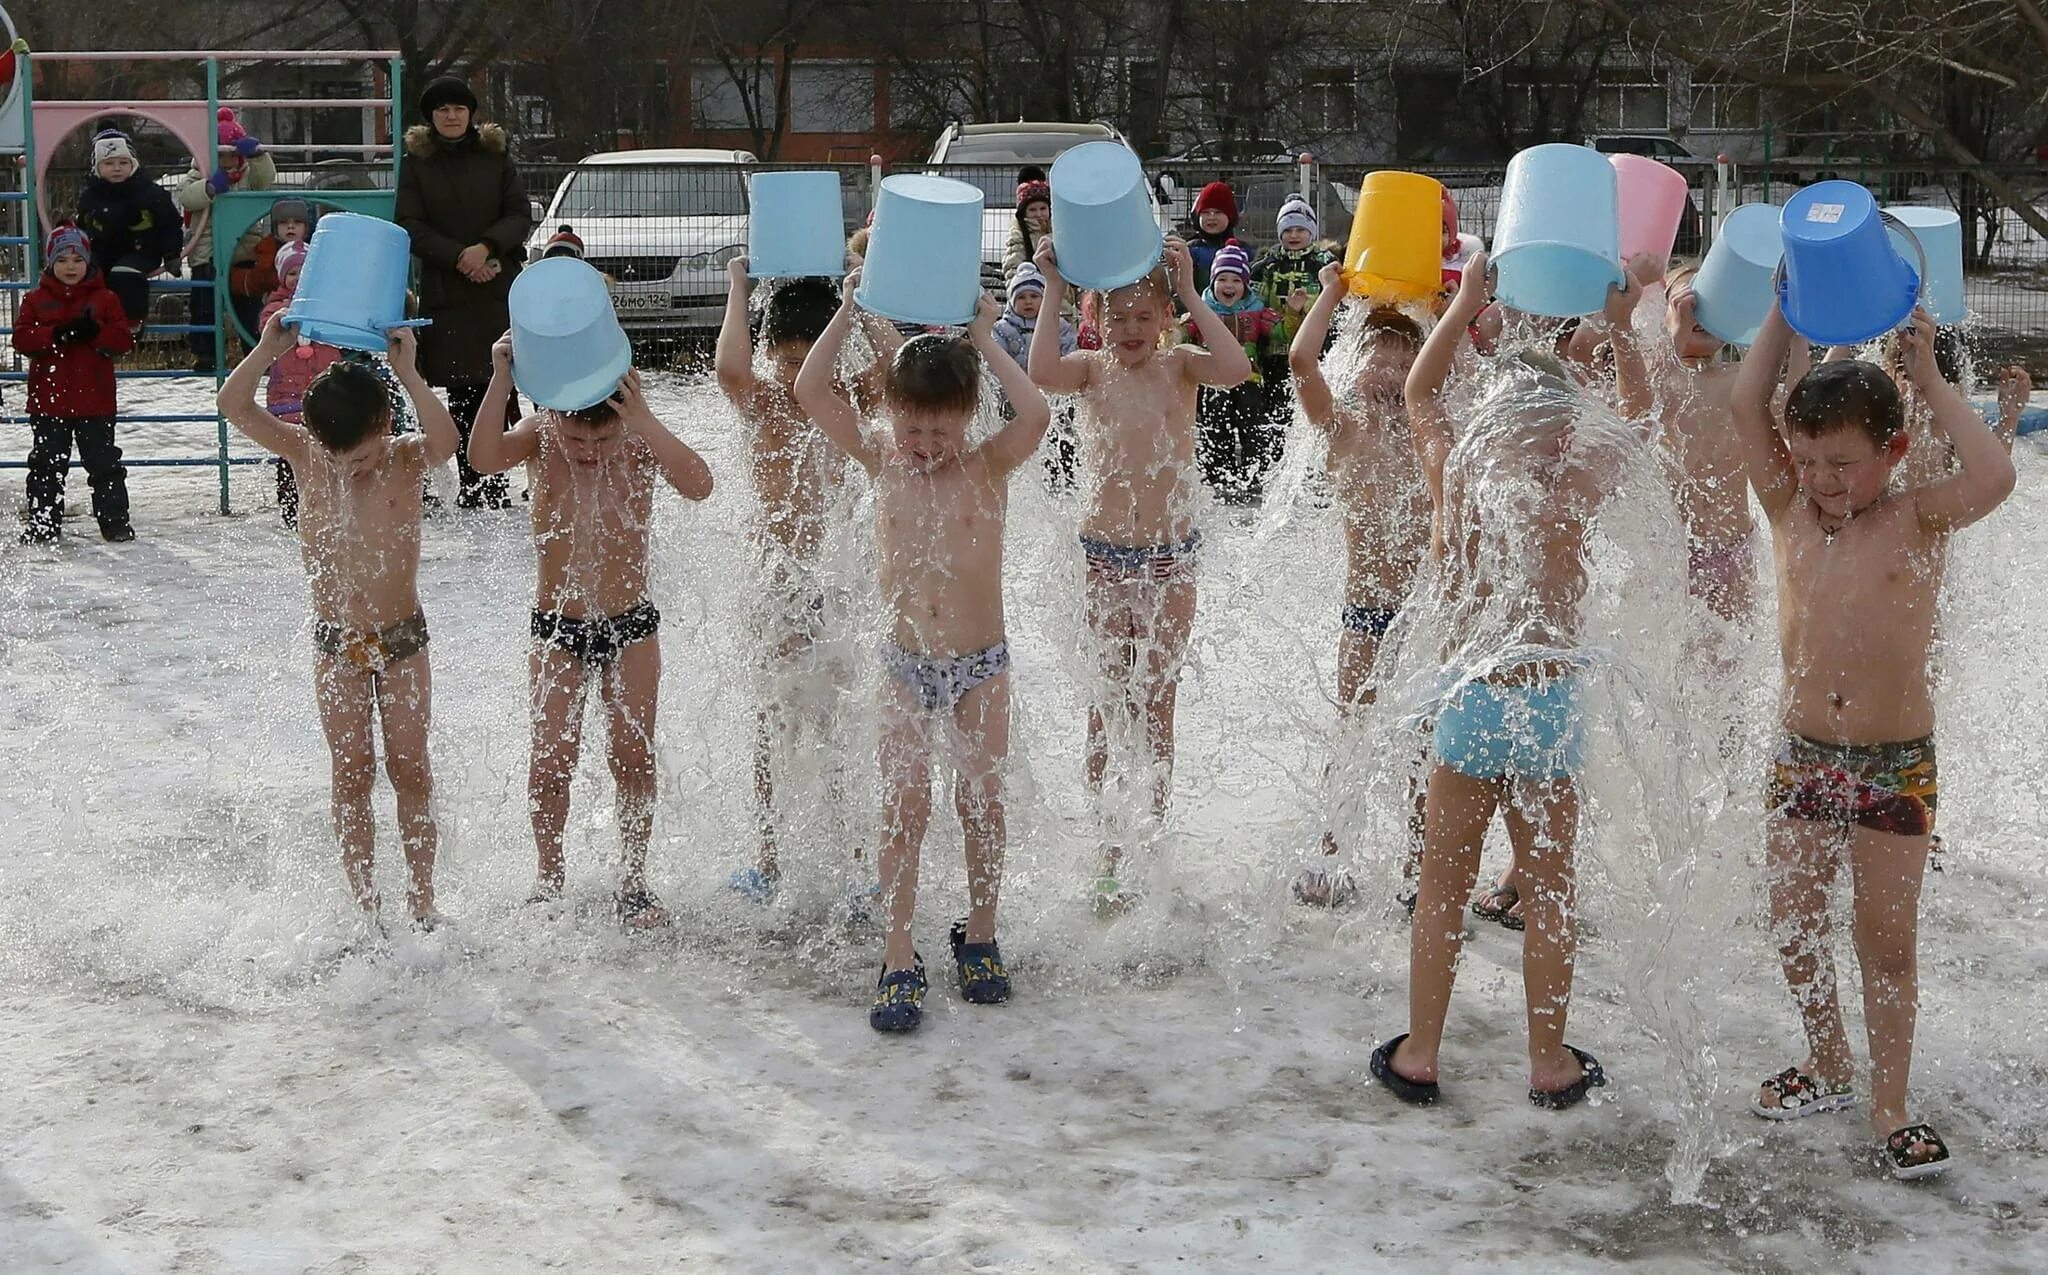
point(1652, 199)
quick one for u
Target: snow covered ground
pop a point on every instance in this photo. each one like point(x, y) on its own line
point(199, 1077)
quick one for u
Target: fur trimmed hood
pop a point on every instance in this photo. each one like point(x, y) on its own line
point(422, 142)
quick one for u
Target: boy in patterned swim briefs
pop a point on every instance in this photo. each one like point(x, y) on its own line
point(940, 505)
point(1859, 569)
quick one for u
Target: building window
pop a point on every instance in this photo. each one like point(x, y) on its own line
point(1726, 107)
point(832, 97)
point(1634, 108)
point(717, 101)
point(1332, 99)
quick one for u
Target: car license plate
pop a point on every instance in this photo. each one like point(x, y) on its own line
point(637, 302)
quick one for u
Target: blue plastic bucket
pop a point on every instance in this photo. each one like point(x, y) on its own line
point(352, 287)
point(568, 350)
point(1844, 281)
point(1733, 291)
point(1557, 243)
point(795, 227)
point(1938, 233)
point(1105, 232)
point(924, 252)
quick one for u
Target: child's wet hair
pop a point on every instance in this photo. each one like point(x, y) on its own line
point(1387, 322)
point(933, 373)
point(1850, 394)
point(1155, 282)
point(799, 310)
point(598, 415)
point(345, 405)
point(1950, 354)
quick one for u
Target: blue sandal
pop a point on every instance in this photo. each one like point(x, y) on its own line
point(899, 999)
point(983, 980)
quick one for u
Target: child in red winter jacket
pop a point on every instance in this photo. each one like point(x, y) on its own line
point(70, 328)
point(285, 391)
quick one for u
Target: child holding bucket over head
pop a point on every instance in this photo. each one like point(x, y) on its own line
point(292, 375)
point(1138, 535)
point(593, 451)
point(1517, 490)
point(940, 509)
point(795, 470)
point(1710, 478)
point(359, 532)
point(1860, 564)
point(1379, 488)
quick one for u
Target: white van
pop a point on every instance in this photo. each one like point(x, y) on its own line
point(661, 224)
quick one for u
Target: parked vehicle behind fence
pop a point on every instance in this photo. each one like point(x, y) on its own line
point(988, 156)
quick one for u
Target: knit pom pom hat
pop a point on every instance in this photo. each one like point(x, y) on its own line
point(229, 127)
point(1231, 259)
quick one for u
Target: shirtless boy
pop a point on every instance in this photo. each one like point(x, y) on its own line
point(1138, 406)
point(1859, 569)
point(359, 532)
point(939, 514)
point(1379, 489)
point(795, 470)
point(592, 474)
point(1520, 485)
point(1709, 478)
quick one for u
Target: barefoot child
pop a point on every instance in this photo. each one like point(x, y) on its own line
point(1138, 404)
point(1379, 488)
point(359, 532)
point(592, 473)
point(795, 471)
point(1859, 568)
point(1514, 497)
point(939, 514)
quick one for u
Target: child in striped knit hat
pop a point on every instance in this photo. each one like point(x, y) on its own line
point(1235, 442)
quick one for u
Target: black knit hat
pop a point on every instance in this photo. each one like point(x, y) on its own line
point(444, 91)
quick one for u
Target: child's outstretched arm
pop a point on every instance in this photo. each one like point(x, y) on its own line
point(237, 398)
point(1221, 361)
point(1987, 475)
point(1017, 441)
point(493, 449)
point(814, 389)
point(1305, 356)
point(1756, 384)
point(436, 425)
point(1050, 369)
point(1631, 374)
point(678, 462)
point(733, 360)
point(1423, 390)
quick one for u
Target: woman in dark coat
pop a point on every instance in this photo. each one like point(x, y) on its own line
point(461, 200)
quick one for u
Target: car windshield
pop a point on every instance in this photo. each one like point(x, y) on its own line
point(654, 190)
point(1014, 148)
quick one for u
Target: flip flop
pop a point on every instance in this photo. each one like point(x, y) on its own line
point(1897, 1153)
point(1799, 1096)
point(1503, 915)
point(1414, 1092)
point(1591, 1077)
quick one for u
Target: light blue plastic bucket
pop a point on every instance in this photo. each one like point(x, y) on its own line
point(352, 288)
point(1844, 281)
point(1938, 232)
point(1557, 244)
point(924, 252)
point(1105, 232)
point(795, 228)
point(1733, 291)
point(568, 350)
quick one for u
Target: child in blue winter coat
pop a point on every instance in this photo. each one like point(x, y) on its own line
point(1013, 333)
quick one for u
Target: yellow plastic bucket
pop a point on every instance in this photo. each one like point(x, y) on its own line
point(1396, 251)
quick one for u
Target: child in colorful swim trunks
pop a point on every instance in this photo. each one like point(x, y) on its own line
point(1378, 487)
point(795, 470)
point(1138, 406)
point(592, 475)
point(1860, 565)
point(1514, 495)
point(359, 532)
point(940, 506)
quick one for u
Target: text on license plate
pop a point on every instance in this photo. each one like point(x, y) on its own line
point(635, 301)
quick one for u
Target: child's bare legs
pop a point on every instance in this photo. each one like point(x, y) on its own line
point(631, 688)
point(764, 791)
point(1113, 629)
point(1543, 825)
point(983, 720)
point(1802, 858)
point(405, 693)
point(346, 697)
point(1165, 644)
point(1459, 808)
point(558, 691)
point(1355, 654)
point(906, 764)
point(1887, 873)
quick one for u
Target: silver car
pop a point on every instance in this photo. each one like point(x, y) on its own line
point(662, 225)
